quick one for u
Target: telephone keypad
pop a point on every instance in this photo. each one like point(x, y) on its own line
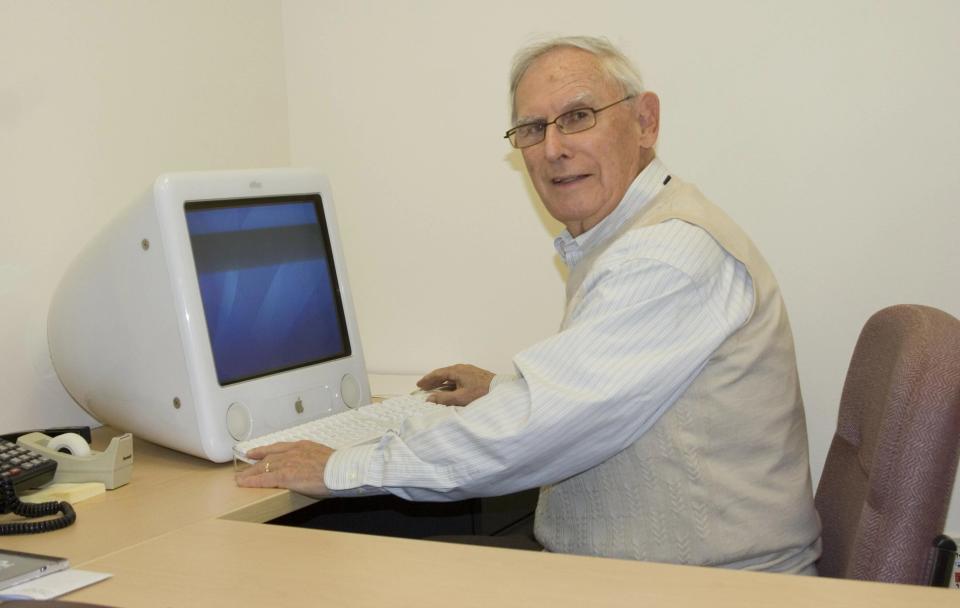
point(26, 468)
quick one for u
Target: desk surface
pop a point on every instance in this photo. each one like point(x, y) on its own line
point(167, 491)
point(219, 562)
point(182, 534)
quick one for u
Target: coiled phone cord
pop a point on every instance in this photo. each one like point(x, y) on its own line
point(10, 503)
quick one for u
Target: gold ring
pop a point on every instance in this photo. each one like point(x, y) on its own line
point(266, 467)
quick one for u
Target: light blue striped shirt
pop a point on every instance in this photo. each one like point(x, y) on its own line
point(642, 325)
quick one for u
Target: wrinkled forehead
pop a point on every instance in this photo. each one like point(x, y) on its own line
point(561, 80)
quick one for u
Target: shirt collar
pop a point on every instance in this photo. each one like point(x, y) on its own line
point(646, 186)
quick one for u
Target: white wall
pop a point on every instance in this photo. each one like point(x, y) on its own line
point(96, 100)
point(829, 130)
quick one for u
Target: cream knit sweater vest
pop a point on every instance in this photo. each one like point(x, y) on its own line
point(723, 477)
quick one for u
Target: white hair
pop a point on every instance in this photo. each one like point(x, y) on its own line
point(612, 61)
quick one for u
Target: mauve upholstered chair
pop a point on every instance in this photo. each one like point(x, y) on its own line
point(886, 483)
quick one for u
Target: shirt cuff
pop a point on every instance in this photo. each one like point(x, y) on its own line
point(500, 379)
point(355, 471)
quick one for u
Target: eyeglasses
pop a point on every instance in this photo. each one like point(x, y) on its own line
point(574, 121)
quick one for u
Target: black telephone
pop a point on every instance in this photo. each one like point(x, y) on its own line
point(22, 468)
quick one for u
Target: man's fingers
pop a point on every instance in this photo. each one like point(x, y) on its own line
point(257, 475)
point(458, 397)
point(437, 378)
point(250, 478)
point(297, 465)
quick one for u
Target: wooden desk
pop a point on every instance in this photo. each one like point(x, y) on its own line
point(182, 534)
point(167, 491)
point(219, 563)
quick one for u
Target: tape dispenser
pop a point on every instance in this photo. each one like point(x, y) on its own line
point(77, 463)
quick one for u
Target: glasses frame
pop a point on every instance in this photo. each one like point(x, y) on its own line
point(593, 113)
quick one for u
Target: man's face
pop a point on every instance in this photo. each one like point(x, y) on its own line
point(581, 177)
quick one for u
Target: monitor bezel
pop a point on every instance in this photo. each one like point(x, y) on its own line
point(323, 381)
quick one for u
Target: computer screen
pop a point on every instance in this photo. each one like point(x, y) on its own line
point(268, 285)
point(215, 309)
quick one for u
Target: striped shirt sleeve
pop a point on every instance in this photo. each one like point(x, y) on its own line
point(644, 322)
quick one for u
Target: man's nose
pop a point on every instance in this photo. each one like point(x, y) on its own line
point(554, 143)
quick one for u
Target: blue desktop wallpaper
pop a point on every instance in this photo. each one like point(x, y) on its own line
point(267, 287)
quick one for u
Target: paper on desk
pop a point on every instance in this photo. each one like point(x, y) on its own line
point(70, 492)
point(53, 585)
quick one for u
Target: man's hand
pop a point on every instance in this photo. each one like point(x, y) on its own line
point(468, 382)
point(297, 466)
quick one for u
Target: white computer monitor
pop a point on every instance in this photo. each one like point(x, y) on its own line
point(215, 309)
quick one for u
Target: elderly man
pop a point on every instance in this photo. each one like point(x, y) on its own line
point(664, 421)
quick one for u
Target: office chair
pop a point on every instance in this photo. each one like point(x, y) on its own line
point(886, 483)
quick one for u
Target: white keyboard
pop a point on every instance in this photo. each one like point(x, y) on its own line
point(347, 428)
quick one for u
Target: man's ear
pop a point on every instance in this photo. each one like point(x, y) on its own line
point(647, 109)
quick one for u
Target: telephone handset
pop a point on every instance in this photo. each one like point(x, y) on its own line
point(22, 468)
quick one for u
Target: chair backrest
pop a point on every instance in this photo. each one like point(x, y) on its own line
point(886, 483)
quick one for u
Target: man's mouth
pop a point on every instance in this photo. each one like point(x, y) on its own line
point(568, 179)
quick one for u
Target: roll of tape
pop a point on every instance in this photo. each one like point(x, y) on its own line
point(71, 443)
